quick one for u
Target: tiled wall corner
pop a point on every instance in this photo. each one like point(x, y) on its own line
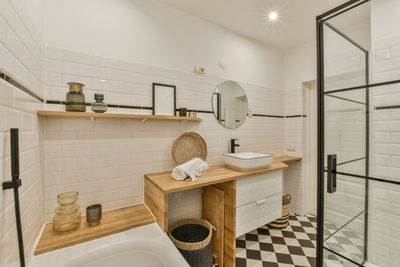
point(293, 146)
point(292, 185)
point(22, 54)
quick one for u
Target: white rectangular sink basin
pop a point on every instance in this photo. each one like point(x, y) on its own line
point(247, 161)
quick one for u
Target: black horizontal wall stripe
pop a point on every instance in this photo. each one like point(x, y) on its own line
point(198, 111)
point(387, 107)
point(293, 116)
point(10, 80)
point(58, 102)
point(268, 116)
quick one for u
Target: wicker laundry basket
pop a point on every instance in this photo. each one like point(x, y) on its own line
point(283, 221)
point(192, 237)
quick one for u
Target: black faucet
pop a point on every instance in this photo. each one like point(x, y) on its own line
point(233, 145)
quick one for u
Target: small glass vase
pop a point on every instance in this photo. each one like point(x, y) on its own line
point(68, 214)
point(75, 98)
point(99, 106)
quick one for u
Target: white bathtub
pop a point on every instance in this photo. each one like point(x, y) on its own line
point(145, 246)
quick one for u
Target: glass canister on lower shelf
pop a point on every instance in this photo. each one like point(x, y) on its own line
point(68, 214)
point(99, 106)
point(75, 98)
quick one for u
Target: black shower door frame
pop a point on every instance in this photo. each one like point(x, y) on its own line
point(321, 21)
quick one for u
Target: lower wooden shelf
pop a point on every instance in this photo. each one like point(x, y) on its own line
point(112, 222)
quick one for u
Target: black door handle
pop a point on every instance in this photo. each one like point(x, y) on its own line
point(332, 164)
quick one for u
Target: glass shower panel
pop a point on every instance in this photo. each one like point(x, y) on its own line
point(345, 151)
point(356, 23)
point(344, 218)
point(331, 259)
point(345, 63)
point(345, 129)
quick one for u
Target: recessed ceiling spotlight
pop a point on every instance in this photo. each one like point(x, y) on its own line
point(273, 15)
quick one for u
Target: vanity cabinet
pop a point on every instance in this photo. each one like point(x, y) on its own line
point(258, 201)
point(235, 201)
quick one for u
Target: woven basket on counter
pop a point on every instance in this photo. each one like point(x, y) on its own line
point(192, 237)
point(188, 146)
point(283, 221)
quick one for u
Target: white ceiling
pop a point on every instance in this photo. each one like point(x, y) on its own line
point(295, 26)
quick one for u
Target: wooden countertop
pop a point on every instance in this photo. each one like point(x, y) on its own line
point(215, 174)
point(287, 159)
point(112, 222)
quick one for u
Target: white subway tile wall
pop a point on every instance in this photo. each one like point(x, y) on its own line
point(105, 160)
point(293, 185)
point(31, 191)
point(22, 56)
point(293, 145)
point(384, 214)
point(21, 46)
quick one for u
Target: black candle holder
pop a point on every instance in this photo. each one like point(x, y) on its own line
point(93, 214)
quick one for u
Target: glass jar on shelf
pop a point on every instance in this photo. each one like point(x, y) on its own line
point(68, 213)
point(99, 106)
point(75, 98)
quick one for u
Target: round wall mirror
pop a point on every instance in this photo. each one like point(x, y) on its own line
point(230, 104)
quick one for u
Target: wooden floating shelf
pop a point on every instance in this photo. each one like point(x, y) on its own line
point(114, 221)
point(69, 114)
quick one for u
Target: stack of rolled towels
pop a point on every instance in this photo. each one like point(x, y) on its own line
point(190, 170)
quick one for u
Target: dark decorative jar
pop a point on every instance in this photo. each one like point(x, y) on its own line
point(93, 214)
point(75, 98)
point(182, 112)
point(99, 106)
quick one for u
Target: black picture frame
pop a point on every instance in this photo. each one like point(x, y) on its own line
point(154, 85)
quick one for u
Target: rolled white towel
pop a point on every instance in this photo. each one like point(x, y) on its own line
point(179, 174)
point(193, 169)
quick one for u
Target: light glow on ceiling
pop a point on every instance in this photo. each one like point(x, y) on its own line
point(273, 15)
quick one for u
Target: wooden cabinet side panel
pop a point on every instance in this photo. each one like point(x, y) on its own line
point(213, 211)
point(230, 222)
point(157, 202)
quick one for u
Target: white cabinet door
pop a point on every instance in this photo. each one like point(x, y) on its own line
point(258, 213)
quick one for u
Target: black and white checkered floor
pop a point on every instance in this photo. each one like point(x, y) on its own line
point(295, 245)
point(343, 241)
point(292, 246)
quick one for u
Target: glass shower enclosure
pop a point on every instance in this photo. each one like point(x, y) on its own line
point(344, 128)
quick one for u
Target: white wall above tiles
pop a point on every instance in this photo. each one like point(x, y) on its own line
point(300, 66)
point(156, 34)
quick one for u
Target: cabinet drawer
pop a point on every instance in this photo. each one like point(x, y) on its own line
point(259, 213)
point(259, 186)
